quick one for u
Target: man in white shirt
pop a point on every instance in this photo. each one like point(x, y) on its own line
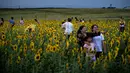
point(68, 27)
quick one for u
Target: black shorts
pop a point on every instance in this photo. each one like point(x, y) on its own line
point(98, 54)
point(122, 29)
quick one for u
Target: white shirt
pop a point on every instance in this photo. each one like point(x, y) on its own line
point(97, 40)
point(68, 27)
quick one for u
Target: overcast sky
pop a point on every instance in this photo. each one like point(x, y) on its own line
point(63, 3)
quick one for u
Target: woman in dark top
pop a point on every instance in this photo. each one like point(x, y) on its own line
point(81, 34)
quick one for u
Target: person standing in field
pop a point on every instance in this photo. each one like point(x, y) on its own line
point(90, 48)
point(36, 21)
point(81, 34)
point(1, 22)
point(12, 22)
point(21, 21)
point(98, 40)
point(122, 25)
point(63, 25)
point(68, 27)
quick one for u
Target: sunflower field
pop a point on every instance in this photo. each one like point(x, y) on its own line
point(46, 50)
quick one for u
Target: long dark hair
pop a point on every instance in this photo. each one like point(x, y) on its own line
point(21, 18)
point(80, 28)
point(93, 27)
point(96, 33)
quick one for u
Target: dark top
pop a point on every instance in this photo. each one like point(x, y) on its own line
point(82, 37)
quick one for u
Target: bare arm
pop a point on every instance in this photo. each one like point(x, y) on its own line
point(104, 46)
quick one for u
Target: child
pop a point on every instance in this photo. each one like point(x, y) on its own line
point(90, 47)
point(12, 22)
point(21, 21)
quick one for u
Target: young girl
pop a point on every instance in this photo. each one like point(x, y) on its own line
point(90, 47)
point(12, 22)
point(21, 21)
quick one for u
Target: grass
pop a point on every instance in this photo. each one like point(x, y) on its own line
point(63, 13)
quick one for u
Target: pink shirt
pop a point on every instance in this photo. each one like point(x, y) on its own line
point(91, 46)
point(91, 55)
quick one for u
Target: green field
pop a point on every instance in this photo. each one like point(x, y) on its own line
point(63, 13)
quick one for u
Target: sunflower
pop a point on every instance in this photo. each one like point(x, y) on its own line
point(57, 42)
point(39, 51)
point(37, 57)
point(39, 35)
point(3, 32)
point(6, 42)
point(18, 60)
point(25, 48)
point(47, 49)
point(15, 47)
point(50, 39)
point(32, 46)
point(54, 48)
point(51, 48)
point(3, 37)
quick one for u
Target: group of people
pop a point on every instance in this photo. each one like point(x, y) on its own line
point(92, 41)
point(68, 26)
point(12, 21)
